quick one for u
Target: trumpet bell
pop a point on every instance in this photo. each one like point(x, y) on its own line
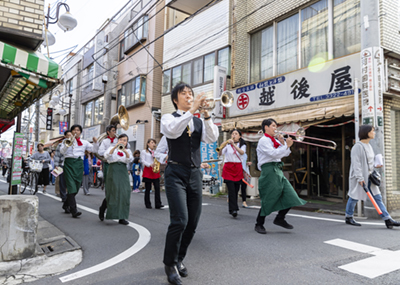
point(300, 134)
point(121, 118)
point(227, 99)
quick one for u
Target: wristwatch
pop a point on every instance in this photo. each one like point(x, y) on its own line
point(207, 118)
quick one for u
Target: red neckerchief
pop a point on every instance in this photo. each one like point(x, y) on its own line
point(152, 152)
point(234, 151)
point(78, 140)
point(276, 144)
point(111, 139)
point(120, 153)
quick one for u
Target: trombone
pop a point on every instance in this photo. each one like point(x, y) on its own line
point(227, 99)
point(300, 135)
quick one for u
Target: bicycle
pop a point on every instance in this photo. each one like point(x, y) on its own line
point(29, 178)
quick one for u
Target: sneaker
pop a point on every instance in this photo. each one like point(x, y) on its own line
point(136, 190)
point(44, 192)
point(282, 223)
point(260, 229)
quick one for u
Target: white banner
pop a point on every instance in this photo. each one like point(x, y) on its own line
point(89, 133)
point(219, 87)
point(378, 80)
point(333, 79)
point(367, 87)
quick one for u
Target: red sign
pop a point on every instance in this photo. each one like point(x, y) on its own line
point(243, 101)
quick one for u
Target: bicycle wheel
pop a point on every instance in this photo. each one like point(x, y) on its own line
point(34, 184)
point(24, 182)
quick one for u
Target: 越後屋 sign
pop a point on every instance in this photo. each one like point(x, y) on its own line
point(329, 80)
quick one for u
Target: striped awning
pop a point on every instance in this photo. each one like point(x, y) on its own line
point(28, 76)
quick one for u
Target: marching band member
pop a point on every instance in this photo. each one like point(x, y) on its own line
point(73, 166)
point(183, 177)
point(118, 192)
point(109, 141)
point(232, 172)
point(276, 193)
point(150, 177)
point(161, 152)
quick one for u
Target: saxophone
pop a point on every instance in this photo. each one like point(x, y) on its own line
point(218, 149)
point(156, 167)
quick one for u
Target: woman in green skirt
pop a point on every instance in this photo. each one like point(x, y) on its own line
point(118, 193)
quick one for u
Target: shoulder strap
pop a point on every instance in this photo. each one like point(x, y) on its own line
point(366, 157)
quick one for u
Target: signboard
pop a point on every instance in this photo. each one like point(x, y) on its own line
point(89, 133)
point(329, 80)
point(49, 119)
point(208, 152)
point(16, 162)
point(63, 126)
point(367, 87)
point(378, 80)
point(219, 87)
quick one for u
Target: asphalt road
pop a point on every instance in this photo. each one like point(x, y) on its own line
point(226, 250)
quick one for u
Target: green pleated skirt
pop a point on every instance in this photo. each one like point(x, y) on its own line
point(275, 190)
point(73, 174)
point(118, 193)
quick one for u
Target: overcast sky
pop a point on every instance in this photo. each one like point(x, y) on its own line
point(91, 14)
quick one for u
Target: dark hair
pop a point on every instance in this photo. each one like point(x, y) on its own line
point(148, 141)
point(363, 131)
point(39, 144)
point(136, 160)
point(241, 141)
point(110, 127)
point(267, 122)
point(136, 152)
point(177, 89)
point(66, 132)
point(76, 126)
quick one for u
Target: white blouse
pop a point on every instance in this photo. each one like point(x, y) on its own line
point(76, 151)
point(161, 151)
point(229, 152)
point(146, 158)
point(105, 144)
point(267, 153)
point(114, 157)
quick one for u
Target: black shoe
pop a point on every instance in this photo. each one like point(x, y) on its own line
point(260, 229)
point(76, 214)
point(173, 275)
point(101, 213)
point(234, 214)
point(282, 223)
point(159, 207)
point(149, 207)
point(390, 223)
point(182, 269)
point(123, 222)
point(66, 209)
point(351, 221)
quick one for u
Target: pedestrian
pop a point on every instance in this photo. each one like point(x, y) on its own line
point(136, 168)
point(149, 176)
point(4, 166)
point(119, 189)
point(183, 177)
point(109, 141)
point(44, 175)
point(73, 166)
point(52, 178)
point(232, 172)
point(86, 173)
point(362, 164)
point(276, 193)
point(61, 187)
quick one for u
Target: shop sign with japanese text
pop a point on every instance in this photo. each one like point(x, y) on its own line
point(16, 162)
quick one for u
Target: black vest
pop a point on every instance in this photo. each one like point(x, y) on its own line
point(186, 150)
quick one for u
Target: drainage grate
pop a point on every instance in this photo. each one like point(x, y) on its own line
point(58, 246)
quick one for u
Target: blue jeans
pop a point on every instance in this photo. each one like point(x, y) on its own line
point(52, 178)
point(136, 181)
point(351, 204)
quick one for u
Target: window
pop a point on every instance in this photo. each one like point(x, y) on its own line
point(89, 73)
point(136, 82)
point(261, 58)
point(314, 33)
point(136, 89)
point(187, 73)
point(346, 27)
point(209, 63)
point(198, 71)
point(123, 95)
point(287, 38)
point(224, 59)
point(138, 32)
point(176, 75)
point(88, 114)
point(98, 111)
point(166, 81)
point(138, 7)
point(70, 86)
point(174, 17)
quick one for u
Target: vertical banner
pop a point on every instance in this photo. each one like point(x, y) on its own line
point(378, 80)
point(208, 152)
point(63, 126)
point(49, 119)
point(219, 87)
point(16, 162)
point(367, 87)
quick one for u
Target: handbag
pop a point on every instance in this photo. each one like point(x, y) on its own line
point(36, 166)
point(50, 167)
point(374, 177)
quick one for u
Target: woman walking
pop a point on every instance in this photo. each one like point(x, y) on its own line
point(232, 171)
point(362, 164)
point(43, 157)
point(52, 178)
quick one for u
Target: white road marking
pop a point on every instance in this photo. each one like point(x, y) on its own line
point(203, 204)
point(383, 262)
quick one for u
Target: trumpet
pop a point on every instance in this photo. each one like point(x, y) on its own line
point(226, 100)
point(120, 147)
point(69, 141)
point(300, 135)
point(218, 149)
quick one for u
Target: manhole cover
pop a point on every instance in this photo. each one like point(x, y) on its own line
point(58, 246)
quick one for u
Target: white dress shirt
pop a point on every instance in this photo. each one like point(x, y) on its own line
point(230, 155)
point(76, 151)
point(267, 153)
point(161, 152)
point(105, 144)
point(114, 157)
point(173, 127)
point(146, 158)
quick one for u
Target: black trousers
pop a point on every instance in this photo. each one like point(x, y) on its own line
point(243, 187)
point(281, 215)
point(63, 187)
point(183, 187)
point(71, 203)
point(233, 191)
point(157, 198)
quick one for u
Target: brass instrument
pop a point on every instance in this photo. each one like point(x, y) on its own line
point(218, 149)
point(120, 147)
point(156, 167)
point(226, 99)
point(300, 136)
point(69, 141)
point(121, 118)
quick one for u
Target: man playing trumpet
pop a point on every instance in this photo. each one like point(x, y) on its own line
point(276, 193)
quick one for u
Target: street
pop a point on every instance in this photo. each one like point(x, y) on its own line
point(224, 250)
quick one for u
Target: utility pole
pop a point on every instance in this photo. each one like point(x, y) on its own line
point(371, 84)
point(37, 112)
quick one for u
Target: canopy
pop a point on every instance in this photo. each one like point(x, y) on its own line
point(5, 125)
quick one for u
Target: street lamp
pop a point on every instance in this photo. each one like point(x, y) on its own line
point(69, 110)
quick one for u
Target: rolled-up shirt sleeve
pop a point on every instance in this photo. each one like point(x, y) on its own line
point(173, 127)
point(210, 131)
point(161, 152)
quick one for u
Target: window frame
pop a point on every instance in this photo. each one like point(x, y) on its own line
point(131, 34)
point(128, 86)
